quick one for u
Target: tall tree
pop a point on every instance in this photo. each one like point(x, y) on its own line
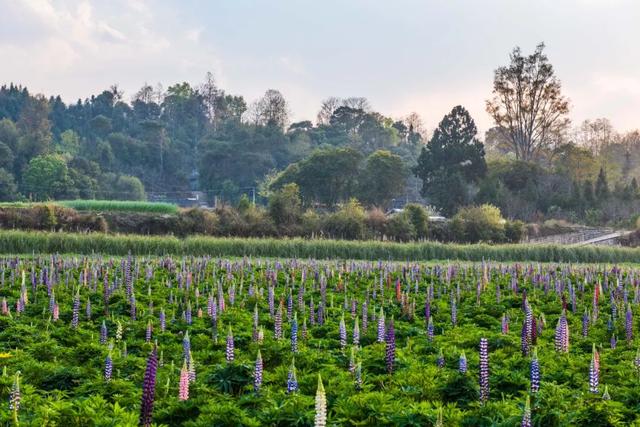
point(270, 110)
point(383, 178)
point(527, 103)
point(453, 158)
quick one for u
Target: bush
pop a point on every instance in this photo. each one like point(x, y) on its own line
point(377, 222)
point(401, 228)
point(478, 224)
point(311, 223)
point(419, 218)
point(514, 231)
point(285, 209)
point(348, 222)
point(258, 223)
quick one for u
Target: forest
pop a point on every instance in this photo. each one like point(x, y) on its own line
point(162, 144)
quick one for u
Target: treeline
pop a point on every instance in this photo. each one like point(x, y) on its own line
point(533, 165)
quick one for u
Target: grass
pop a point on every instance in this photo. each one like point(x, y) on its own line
point(24, 242)
point(119, 206)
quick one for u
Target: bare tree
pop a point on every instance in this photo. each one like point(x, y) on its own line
point(210, 92)
point(271, 109)
point(596, 134)
point(327, 109)
point(145, 94)
point(527, 104)
point(357, 103)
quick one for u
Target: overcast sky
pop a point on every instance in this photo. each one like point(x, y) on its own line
point(423, 55)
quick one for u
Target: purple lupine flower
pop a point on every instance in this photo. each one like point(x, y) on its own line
point(484, 370)
point(526, 415)
point(163, 320)
point(257, 373)
point(108, 367)
point(454, 311)
point(440, 359)
point(525, 338)
point(149, 389)
point(594, 371)
point(562, 334)
point(186, 346)
point(365, 316)
point(277, 324)
point(187, 314)
point(585, 324)
point(256, 323)
point(271, 300)
point(505, 324)
point(430, 329)
point(534, 371)
point(88, 309)
point(636, 360)
point(628, 324)
point(356, 332)
point(343, 333)
point(390, 346)
point(132, 306)
point(462, 363)
point(76, 310)
point(294, 333)
point(290, 305)
point(381, 326)
point(103, 333)
point(230, 353)
point(292, 380)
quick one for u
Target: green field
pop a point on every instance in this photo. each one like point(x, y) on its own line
point(21, 242)
point(103, 206)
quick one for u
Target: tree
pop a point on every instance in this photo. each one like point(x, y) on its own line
point(35, 129)
point(285, 207)
point(8, 188)
point(46, 177)
point(327, 107)
point(270, 110)
point(527, 103)
point(128, 188)
point(6, 156)
point(602, 186)
point(384, 176)
point(452, 159)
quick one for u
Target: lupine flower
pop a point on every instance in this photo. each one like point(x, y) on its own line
point(636, 360)
point(484, 370)
point(343, 333)
point(526, 415)
point(292, 380)
point(321, 405)
point(163, 320)
point(294, 333)
point(381, 326)
point(534, 371)
point(613, 341)
point(390, 347)
point(183, 392)
point(56, 312)
point(358, 376)
point(260, 335)
point(149, 389)
point(76, 310)
point(352, 360)
point(149, 331)
point(256, 323)
point(14, 395)
point(585, 324)
point(257, 373)
point(278, 322)
point(108, 367)
point(230, 346)
point(88, 309)
point(628, 324)
point(187, 314)
point(430, 329)
point(594, 371)
point(103, 333)
point(505, 324)
point(356, 332)
point(562, 334)
point(192, 368)
point(454, 311)
point(118, 330)
point(440, 359)
point(462, 363)
point(606, 395)
point(186, 346)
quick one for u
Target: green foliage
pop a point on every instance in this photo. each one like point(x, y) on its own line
point(479, 224)
point(119, 206)
point(348, 222)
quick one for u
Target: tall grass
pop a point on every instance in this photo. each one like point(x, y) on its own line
point(20, 242)
point(119, 205)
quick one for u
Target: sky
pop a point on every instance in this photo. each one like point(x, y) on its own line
point(403, 55)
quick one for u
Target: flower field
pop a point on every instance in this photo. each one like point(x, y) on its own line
point(200, 341)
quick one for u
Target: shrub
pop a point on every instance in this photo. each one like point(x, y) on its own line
point(199, 221)
point(401, 228)
point(285, 209)
point(257, 222)
point(230, 222)
point(348, 222)
point(311, 223)
point(478, 224)
point(376, 222)
point(419, 217)
point(514, 231)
